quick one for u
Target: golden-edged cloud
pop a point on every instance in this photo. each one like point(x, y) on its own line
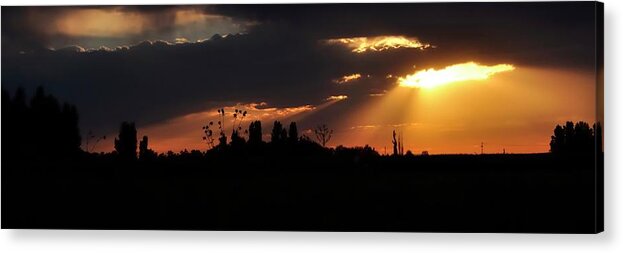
point(336, 98)
point(378, 43)
point(429, 78)
point(347, 78)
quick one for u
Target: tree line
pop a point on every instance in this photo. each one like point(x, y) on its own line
point(576, 138)
point(44, 127)
point(41, 126)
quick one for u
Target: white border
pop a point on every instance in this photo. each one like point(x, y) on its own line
point(181, 241)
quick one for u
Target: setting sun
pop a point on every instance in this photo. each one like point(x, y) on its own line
point(430, 78)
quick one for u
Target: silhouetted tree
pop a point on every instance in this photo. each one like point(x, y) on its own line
point(19, 101)
point(583, 137)
point(222, 141)
point(41, 129)
point(293, 134)
point(237, 142)
point(323, 134)
point(355, 154)
point(125, 145)
point(558, 140)
point(44, 120)
point(255, 132)
point(276, 136)
point(569, 136)
point(573, 138)
point(144, 153)
point(283, 137)
point(598, 132)
point(69, 130)
point(395, 142)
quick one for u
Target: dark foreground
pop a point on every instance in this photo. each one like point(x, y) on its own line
point(540, 193)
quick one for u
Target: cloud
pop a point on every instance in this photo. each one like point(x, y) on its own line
point(378, 43)
point(430, 78)
point(32, 28)
point(336, 98)
point(152, 82)
point(347, 78)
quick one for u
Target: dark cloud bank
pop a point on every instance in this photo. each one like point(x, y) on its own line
point(282, 60)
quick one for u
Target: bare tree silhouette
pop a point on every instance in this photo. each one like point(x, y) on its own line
point(91, 136)
point(323, 134)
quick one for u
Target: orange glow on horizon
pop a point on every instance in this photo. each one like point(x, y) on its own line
point(513, 113)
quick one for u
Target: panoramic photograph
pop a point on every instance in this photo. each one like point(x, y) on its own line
point(394, 117)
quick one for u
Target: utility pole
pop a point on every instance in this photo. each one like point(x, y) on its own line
point(482, 148)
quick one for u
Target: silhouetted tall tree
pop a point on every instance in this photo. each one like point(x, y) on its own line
point(255, 132)
point(395, 142)
point(293, 133)
point(125, 145)
point(276, 136)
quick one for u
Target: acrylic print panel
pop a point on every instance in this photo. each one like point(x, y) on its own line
point(418, 117)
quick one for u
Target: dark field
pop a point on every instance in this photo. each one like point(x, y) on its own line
point(542, 193)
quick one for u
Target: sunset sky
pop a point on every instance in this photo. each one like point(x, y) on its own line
point(445, 76)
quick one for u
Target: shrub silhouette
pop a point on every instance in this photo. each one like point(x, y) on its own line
point(125, 145)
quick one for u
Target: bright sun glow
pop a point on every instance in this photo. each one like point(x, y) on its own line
point(430, 78)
